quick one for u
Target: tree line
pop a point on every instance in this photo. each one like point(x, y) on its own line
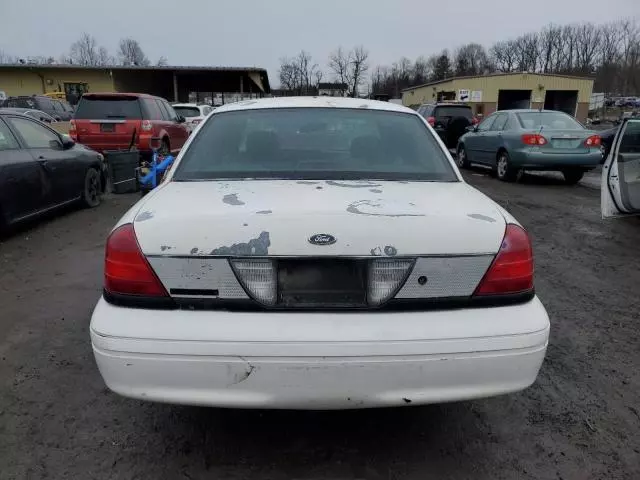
point(609, 52)
point(87, 52)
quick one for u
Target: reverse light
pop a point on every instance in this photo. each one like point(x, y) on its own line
point(593, 141)
point(512, 268)
point(126, 270)
point(385, 277)
point(431, 121)
point(533, 139)
point(146, 126)
point(258, 277)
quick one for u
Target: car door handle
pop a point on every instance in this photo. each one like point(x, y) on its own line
point(45, 164)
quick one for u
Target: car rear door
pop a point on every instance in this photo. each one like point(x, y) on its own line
point(620, 188)
point(493, 138)
point(474, 142)
point(22, 180)
point(62, 173)
point(178, 131)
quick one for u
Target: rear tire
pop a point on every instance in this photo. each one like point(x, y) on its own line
point(461, 157)
point(505, 171)
point(571, 177)
point(165, 149)
point(92, 189)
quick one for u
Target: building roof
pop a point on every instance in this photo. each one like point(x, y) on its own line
point(195, 68)
point(497, 74)
point(313, 102)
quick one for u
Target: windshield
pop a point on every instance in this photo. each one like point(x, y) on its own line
point(316, 143)
point(453, 111)
point(550, 120)
point(187, 111)
point(108, 107)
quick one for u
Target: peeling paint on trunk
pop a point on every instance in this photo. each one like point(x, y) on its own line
point(264, 212)
point(484, 218)
point(232, 199)
point(255, 246)
point(194, 250)
point(307, 182)
point(390, 250)
point(144, 216)
point(360, 184)
point(375, 190)
point(357, 208)
point(165, 247)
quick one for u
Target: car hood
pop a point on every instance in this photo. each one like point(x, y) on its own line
point(278, 217)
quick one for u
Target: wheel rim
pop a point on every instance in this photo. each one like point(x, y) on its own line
point(92, 189)
point(502, 166)
point(461, 157)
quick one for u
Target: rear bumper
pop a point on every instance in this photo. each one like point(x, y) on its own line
point(318, 361)
point(536, 160)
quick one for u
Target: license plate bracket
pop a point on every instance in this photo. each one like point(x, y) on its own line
point(107, 127)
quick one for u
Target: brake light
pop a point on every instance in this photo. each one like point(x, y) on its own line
point(126, 270)
point(593, 141)
point(72, 129)
point(474, 121)
point(196, 121)
point(432, 121)
point(146, 126)
point(512, 269)
point(533, 139)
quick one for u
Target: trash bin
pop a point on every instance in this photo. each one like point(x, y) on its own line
point(122, 166)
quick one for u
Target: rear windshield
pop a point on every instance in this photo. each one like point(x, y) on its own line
point(187, 111)
point(315, 143)
point(453, 111)
point(21, 103)
point(551, 120)
point(127, 108)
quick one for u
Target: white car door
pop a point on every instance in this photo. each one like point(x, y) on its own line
point(620, 185)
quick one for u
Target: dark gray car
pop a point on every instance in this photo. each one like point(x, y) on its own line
point(41, 170)
point(511, 141)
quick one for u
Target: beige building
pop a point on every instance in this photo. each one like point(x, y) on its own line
point(502, 91)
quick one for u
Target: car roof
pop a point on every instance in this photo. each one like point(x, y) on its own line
point(15, 110)
point(188, 105)
point(529, 110)
point(118, 94)
point(313, 102)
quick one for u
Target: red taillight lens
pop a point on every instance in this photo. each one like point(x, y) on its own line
point(512, 269)
point(593, 141)
point(72, 129)
point(146, 126)
point(196, 121)
point(431, 121)
point(126, 271)
point(533, 139)
point(474, 121)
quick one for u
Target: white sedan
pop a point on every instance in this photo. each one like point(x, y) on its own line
point(193, 113)
point(317, 253)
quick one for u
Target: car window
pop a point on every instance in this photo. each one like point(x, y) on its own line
point(7, 140)
point(453, 111)
point(500, 121)
point(205, 110)
point(33, 134)
point(21, 102)
point(187, 111)
point(173, 116)
point(486, 123)
point(152, 110)
point(551, 120)
point(108, 106)
point(57, 106)
point(323, 143)
point(511, 123)
point(163, 110)
point(630, 142)
point(44, 103)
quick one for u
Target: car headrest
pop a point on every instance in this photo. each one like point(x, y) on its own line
point(262, 142)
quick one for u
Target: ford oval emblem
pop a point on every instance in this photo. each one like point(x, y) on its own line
point(322, 239)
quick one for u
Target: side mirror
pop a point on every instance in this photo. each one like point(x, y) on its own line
point(67, 143)
point(181, 119)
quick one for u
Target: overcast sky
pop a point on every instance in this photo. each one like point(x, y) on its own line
point(259, 33)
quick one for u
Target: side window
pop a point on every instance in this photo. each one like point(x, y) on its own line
point(163, 110)
point(206, 111)
point(511, 123)
point(500, 121)
point(7, 140)
point(152, 110)
point(57, 106)
point(486, 123)
point(34, 134)
point(45, 104)
point(173, 116)
point(428, 111)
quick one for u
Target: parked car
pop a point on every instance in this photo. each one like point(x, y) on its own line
point(511, 141)
point(450, 120)
point(41, 170)
point(37, 114)
point(58, 109)
point(193, 113)
point(273, 268)
point(620, 188)
point(116, 121)
point(606, 140)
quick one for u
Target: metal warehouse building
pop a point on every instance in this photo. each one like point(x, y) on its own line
point(172, 83)
point(502, 91)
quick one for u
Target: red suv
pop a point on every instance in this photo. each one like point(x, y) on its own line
point(116, 121)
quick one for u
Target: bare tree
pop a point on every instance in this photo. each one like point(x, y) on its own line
point(359, 68)
point(298, 74)
point(84, 51)
point(5, 58)
point(340, 65)
point(471, 59)
point(162, 62)
point(130, 53)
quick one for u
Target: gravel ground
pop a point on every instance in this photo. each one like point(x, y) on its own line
point(581, 420)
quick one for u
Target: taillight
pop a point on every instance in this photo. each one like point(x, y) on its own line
point(146, 126)
point(512, 269)
point(474, 121)
point(533, 139)
point(196, 121)
point(126, 270)
point(593, 141)
point(72, 129)
point(259, 278)
point(432, 121)
point(385, 277)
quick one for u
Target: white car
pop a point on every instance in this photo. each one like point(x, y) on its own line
point(620, 184)
point(193, 113)
point(317, 253)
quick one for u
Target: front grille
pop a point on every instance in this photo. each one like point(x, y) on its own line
point(329, 283)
